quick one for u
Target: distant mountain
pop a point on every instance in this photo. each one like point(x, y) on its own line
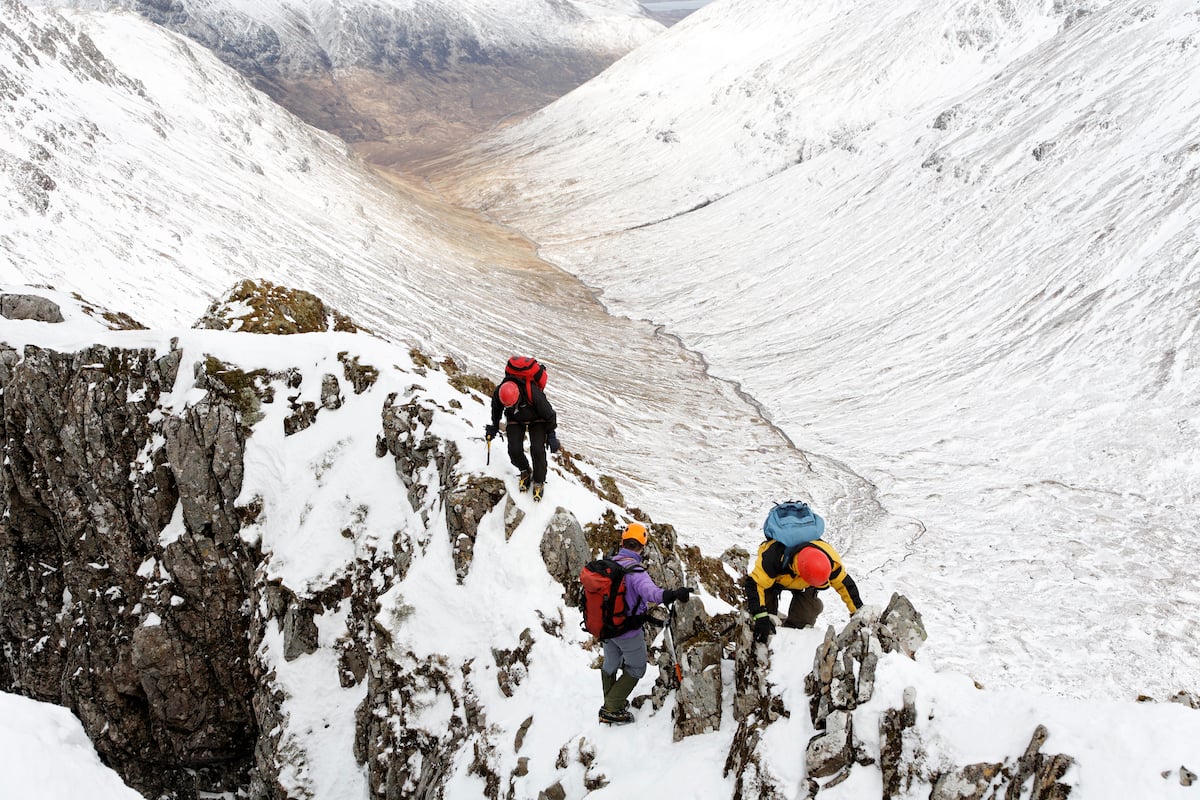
point(403, 78)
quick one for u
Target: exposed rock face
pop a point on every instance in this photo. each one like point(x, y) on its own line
point(29, 306)
point(142, 634)
point(843, 678)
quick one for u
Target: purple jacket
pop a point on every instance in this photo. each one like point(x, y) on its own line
point(640, 591)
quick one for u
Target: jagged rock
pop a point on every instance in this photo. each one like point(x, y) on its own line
point(513, 664)
point(466, 505)
point(29, 306)
point(832, 750)
point(553, 792)
point(1186, 776)
point(519, 739)
point(698, 697)
point(755, 706)
point(903, 630)
point(565, 551)
point(404, 759)
point(360, 376)
point(967, 783)
point(1185, 699)
point(406, 437)
point(899, 747)
point(299, 631)
point(145, 640)
point(331, 392)
point(513, 517)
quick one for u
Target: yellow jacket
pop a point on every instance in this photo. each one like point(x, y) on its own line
point(771, 575)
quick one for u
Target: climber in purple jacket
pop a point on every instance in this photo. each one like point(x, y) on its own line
point(627, 651)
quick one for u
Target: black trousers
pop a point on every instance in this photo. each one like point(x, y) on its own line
point(537, 447)
point(802, 611)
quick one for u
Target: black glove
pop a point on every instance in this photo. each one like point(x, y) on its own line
point(764, 629)
point(682, 593)
point(552, 442)
point(491, 432)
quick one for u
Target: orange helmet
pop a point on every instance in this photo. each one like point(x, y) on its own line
point(635, 531)
point(509, 393)
point(812, 566)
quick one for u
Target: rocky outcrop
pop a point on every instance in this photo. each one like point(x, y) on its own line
point(29, 306)
point(264, 307)
point(123, 580)
point(843, 679)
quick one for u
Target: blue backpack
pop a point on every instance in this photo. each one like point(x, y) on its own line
point(794, 524)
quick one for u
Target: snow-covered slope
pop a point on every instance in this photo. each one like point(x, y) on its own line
point(146, 175)
point(971, 277)
point(501, 688)
point(740, 91)
point(48, 755)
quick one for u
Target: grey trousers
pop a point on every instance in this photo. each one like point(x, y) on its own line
point(628, 653)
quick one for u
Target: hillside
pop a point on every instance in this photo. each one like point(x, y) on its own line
point(955, 252)
point(402, 80)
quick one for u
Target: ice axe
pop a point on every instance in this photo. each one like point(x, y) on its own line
point(669, 637)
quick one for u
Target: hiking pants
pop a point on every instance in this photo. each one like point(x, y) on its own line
point(537, 447)
point(628, 653)
point(803, 610)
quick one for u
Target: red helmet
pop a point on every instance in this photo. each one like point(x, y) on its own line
point(812, 566)
point(509, 393)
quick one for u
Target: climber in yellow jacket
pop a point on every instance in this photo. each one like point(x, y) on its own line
point(812, 567)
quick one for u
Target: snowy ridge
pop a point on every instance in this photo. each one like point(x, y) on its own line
point(329, 502)
point(159, 193)
point(984, 307)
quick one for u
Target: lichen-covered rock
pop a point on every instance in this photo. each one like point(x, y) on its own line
point(565, 551)
point(466, 505)
point(29, 306)
point(143, 637)
point(263, 307)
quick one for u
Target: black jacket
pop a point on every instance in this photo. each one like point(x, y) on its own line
point(526, 410)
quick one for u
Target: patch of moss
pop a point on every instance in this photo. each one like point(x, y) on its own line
point(465, 381)
point(608, 486)
point(275, 309)
point(711, 574)
point(246, 391)
point(420, 359)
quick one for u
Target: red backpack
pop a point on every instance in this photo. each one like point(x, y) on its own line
point(526, 370)
point(604, 612)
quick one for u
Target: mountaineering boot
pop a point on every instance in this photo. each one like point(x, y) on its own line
point(538, 489)
point(607, 681)
point(523, 480)
point(622, 717)
point(615, 697)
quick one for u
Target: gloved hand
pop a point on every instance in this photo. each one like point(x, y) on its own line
point(683, 593)
point(491, 432)
point(764, 629)
point(552, 442)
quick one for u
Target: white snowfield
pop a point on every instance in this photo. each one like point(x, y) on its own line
point(952, 250)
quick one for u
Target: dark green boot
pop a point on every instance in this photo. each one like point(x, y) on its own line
point(607, 682)
point(615, 697)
